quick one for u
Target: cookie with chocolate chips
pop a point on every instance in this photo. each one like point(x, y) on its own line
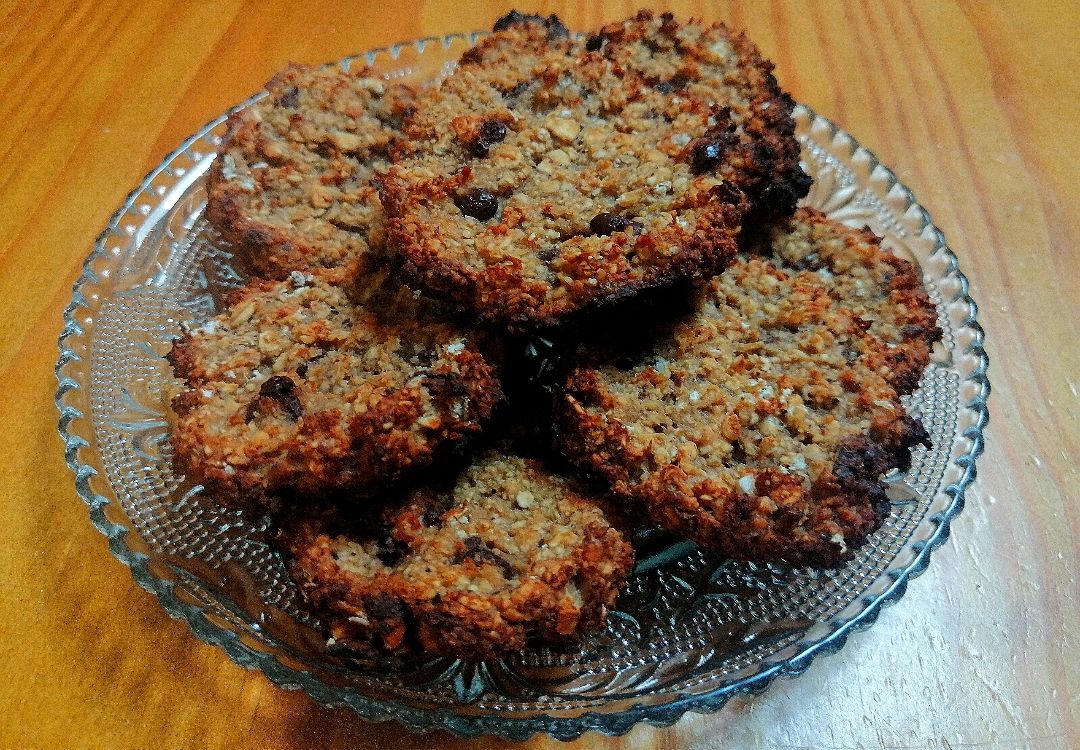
point(502, 554)
point(544, 178)
point(759, 422)
point(750, 139)
point(308, 387)
point(291, 188)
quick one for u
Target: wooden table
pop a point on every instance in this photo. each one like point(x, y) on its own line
point(976, 105)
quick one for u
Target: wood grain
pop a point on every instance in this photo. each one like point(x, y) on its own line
point(974, 104)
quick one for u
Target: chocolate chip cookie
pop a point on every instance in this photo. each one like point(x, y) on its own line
point(530, 187)
point(759, 423)
point(295, 388)
point(503, 554)
point(291, 188)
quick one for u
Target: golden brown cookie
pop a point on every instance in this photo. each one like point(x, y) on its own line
point(503, 554)
point(291, 188)
point(759, 423)
point(296, 388)
point(531, 186)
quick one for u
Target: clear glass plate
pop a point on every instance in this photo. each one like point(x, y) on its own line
point(689, 633)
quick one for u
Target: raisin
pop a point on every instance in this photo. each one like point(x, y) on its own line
point(608, 223)
point(725, 192)
point(477, 203)
point(434, 507)
point(594, 43)
point(277, 386)
point(512, 18)
point(425, 358)
point(478, 148)
point(555, 27)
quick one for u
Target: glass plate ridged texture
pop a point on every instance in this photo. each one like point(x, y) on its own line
point(689, 633)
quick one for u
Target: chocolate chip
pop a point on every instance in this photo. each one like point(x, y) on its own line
point(675, 83)
point(432, 516)
point(607, 223)
point(477, 203)
point(512, 18)
point(511, 94)
point(555, 27)
point(478, 148)
point(425, 358)
point(290, 98)
point(594, 43)
point(282, 389)
point(709, 149)
point(384, 607)
point(704, 156)
point(491, 132)
point(477, 550)
point(391, 551)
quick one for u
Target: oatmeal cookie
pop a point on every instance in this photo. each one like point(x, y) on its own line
point(291, 187)
point(759, 424)
point(295, 388)
point(752, 143)
point(531, 186)
point(502, 554)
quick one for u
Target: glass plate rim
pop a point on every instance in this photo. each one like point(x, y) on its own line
point(76, 432)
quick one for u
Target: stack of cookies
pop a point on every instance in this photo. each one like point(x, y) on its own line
point(715, 360)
